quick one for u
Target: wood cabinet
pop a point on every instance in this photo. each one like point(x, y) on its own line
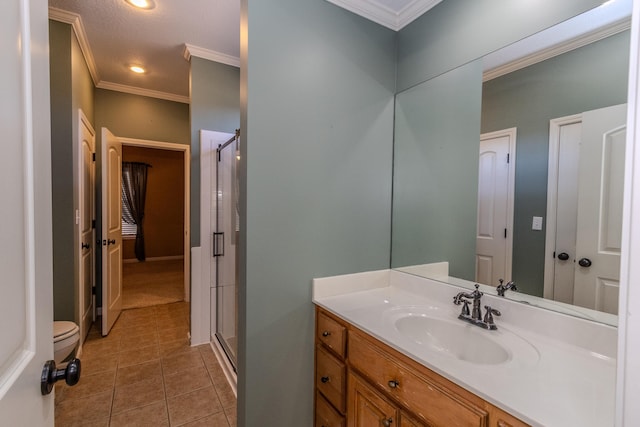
point(367, 384)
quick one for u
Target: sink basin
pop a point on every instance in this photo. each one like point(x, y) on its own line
point(454, 338)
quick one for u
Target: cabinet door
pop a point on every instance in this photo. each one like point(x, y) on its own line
point(407, 421)
point(366, 407)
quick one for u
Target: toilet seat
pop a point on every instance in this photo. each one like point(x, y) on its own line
point(63, 330)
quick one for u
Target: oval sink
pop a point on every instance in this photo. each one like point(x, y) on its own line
point(459, 340)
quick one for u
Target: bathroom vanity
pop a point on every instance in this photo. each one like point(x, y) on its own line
point(391, 351)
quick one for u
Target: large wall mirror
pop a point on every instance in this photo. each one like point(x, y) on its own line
point(511, 167)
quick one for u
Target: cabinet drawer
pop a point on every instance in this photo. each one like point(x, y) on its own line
point(433, 403)
point(330, 378)
point(326, 416)
point(331, 333)
point(367, 406)
point(502, 419)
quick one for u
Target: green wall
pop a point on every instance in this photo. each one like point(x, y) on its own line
point(594, 76)
point(139, 117)
point(317, 121)
point(71, 89)
point(435, 178)
point(458, 31)
point(215, 105)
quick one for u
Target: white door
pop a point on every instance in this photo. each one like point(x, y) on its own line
point(495, 207)
point(26, 306)
point(565, 140)
point(111, 230)
point(599, 223)
point(84, 222)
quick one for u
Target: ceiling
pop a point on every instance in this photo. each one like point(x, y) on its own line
point(114, 35)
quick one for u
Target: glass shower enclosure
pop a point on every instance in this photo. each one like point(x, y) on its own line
point(225, 238)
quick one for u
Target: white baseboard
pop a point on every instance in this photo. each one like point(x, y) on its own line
point(152, 259)
point(229, 373)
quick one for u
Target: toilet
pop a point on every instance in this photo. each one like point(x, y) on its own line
point(65, 340)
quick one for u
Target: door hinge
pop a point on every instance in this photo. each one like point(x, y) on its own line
point(508, 157)
point(93, 290)
point(93, 156)
point(505, 233)
point(93, 224)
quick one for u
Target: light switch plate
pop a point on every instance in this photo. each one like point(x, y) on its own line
point(537, 223)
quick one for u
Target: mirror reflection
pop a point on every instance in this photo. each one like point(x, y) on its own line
point(536, 198)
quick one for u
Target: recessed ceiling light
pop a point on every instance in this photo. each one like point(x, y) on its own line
point(142, 4)
point(137, 69)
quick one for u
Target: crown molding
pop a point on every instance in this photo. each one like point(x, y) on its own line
point(143, 92)
point(385, 16)
point(211, 55)
point(558, 49)
point(78, 28)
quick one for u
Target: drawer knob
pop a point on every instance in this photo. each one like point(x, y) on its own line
point(394, 384)
point(387, 422)
point(326, 333)
point(324, 379)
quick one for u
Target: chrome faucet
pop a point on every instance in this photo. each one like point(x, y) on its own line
point(501, 288)
point(475, 317)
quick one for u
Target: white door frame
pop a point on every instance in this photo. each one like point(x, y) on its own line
point(628, 368)
point(555, 125)
point(186, 150)
point(511, 185)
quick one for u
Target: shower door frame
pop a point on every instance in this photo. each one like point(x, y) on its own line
point(231, 355)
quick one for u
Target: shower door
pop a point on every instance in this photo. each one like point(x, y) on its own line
point(224, 242)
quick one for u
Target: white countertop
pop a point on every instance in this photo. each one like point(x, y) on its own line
point(560, 372)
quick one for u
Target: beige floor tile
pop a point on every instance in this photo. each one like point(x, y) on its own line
point(141, 372)
point(98, 363)
point(137, 356)
point(215, 420)
point(136, 341)
point(90, 385)
point(225, 394)
point(141, 393)
point(186, 381)
point(180, 362)
point(216, 373)
point(169, 322)
point(173, 334)
point(152, 415)
point(193, 406)
point(92, 410)
point(180, 346)
point(232, 416)
point(139, 329)
point(100, 347)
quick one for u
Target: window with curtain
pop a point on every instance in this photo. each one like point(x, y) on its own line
point(134, 190)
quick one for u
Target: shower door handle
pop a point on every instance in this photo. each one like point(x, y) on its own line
point(218, 244)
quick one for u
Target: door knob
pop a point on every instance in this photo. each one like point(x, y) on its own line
point(387, 422)
point(584, 262)
point(563, 256)
point(50, 374)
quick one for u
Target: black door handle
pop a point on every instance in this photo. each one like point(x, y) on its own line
point(85, 246)
point(563, 256)
point(584, 262)
point(50, 374)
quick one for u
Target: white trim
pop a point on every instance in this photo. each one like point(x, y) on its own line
point(628, 368)
point(511, 133)
point(200, 328)
point(211, 55)
point(132, 142)
point(558, 49)
point(143, 92)
point(75, 21)
point(552, 196)
point(154, 259)
point(227, 369)
point(385, 16)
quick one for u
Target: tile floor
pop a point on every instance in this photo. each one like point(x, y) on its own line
point(152, 283)
point(144, 373)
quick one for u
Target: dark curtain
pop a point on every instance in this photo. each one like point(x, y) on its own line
point(134, 190)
